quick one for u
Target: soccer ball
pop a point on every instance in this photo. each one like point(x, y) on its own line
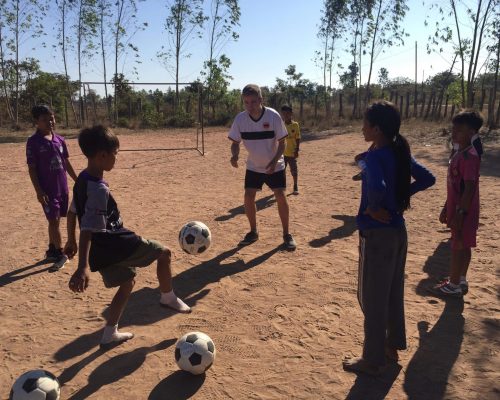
point(195, 237)
point(195, 352)
point(36, 385)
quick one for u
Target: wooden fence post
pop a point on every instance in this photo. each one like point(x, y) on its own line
point(341, 107)
point(423, 105)
point(407, 110)
point(315, 106)
point(481, 102)
point(446, 105)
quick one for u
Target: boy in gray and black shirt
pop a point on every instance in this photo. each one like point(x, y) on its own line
point(105, 245)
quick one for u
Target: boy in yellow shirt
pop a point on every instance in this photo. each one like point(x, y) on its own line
point(292, 144)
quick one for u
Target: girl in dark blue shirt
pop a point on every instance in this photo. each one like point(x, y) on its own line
point(387, 186)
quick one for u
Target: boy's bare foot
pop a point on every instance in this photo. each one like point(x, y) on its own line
point(358, 364)
point(111, 337)
point(170, 300)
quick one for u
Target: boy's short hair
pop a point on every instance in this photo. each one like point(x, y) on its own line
point(286, 107)
point(251, 90)
point(472, 118)
point(97, 138)
point(42, 109)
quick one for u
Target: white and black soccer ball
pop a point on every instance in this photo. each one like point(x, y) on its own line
point(36, 385)
point(195, 352)
point(195, 237)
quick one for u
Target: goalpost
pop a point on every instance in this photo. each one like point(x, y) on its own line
point(89, 109)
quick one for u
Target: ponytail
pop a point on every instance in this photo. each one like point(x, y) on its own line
point(402, 154)
point(386, 116)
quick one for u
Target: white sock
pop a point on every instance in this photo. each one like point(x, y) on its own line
point(171, 300)
point(111, 334)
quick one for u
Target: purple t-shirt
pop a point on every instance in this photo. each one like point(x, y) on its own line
point(49, 159)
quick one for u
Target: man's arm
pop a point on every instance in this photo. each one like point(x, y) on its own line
point(463, 205)
point(70, 170)
point(235, 153)
point(279, 152)
point(40, 194)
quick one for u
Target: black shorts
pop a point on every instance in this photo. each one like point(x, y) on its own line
point(255, 180)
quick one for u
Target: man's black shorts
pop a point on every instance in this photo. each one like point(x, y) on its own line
point(255, 180)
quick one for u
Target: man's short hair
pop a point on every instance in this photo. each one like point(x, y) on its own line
point(286, 107)
point(251, 90)
point(472, 118)
point(97, 138)
point(42, 109)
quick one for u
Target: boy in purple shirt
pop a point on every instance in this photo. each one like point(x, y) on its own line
point(47, 158)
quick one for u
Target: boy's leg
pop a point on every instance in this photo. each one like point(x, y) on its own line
point(55, 233)
point(250, 208)
point(283, 209)
point(164, 274)
point(466, 262)
point(111, 336)
point(458, 259)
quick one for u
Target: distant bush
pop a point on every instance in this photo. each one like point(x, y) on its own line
point(151, 118)
point(122, 122)
point(181, 120)
point(221, 118)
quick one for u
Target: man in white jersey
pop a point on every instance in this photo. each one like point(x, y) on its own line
point(263, 134)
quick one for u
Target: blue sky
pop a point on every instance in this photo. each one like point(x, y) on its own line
point(273, 35)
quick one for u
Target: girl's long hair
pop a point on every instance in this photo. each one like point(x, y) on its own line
point(386, 116)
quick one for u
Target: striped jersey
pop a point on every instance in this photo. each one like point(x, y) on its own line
point(260, 137)
point(98, 213)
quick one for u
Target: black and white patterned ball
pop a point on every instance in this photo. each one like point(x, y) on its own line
point(195, 237)
point(195, 352)
point(36, 385)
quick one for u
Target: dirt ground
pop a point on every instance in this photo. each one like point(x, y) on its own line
point(281, 321)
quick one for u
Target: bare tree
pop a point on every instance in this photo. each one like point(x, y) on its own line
point(184, 18)
point(384, 30)
point(471, 43)
point(223, 20)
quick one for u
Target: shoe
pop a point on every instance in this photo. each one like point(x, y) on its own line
point(289, 242)
point(59, 264)
point(464, 285)
point(357, 177)
point(249, 238)
point(445, 289)
point(51, 254)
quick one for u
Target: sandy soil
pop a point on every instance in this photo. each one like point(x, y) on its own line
point(281, 321)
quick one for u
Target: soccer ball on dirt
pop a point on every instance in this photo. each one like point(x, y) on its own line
point(36, 385)
point(195, 237)
point(195, 352)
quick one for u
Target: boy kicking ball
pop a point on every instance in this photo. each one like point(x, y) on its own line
point(105, 245)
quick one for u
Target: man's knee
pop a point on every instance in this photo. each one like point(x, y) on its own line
point(166, 254)
point(250, 194)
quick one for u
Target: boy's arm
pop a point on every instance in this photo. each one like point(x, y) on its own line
point(80, 279)
point(279, 152)
point(40, 194)
point(297, 147)
point(235, 152)
point(70, 170)
point(71, 247)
